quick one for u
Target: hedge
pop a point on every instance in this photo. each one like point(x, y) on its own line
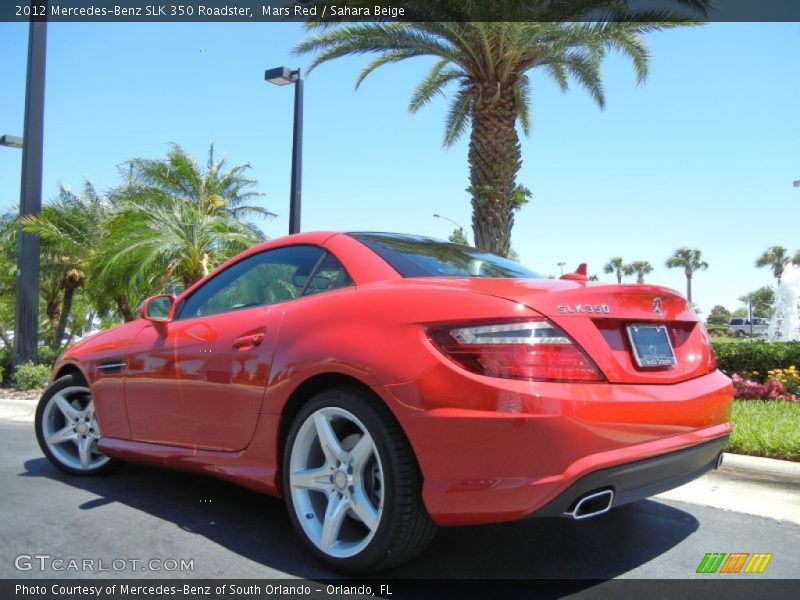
point(45, 356)
point(753, 357)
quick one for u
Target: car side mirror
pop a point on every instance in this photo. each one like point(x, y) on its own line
point(159, 309)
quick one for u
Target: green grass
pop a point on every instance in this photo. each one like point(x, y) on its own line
point(770, 428)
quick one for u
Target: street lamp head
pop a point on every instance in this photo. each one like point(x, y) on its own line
point(281, 75)
point(437, 216)
point(796, 183)
point(12, 141)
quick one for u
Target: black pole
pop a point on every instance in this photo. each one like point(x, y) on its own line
point(295, 193)
point(26, 327)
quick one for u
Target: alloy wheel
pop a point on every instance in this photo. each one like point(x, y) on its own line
point(336, 480)
point(70, 430)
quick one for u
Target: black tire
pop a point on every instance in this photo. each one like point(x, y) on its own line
point(404, 528)
point(71, 381)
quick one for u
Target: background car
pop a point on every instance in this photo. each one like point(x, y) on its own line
point(384, 384)
point(744, 327)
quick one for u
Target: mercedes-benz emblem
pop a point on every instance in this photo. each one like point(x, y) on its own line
point(658, 309)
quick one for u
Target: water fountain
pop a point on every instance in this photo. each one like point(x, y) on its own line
point(784, 326)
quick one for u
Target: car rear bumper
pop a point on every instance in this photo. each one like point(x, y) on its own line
point(495, 450)
point(640, 479)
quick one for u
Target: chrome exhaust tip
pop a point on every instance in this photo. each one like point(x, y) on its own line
point(592, 505)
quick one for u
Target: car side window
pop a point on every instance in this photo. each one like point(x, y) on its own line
point(265, 278)
point(329, 274)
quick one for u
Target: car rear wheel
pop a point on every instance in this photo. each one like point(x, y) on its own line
point(67, 429)
point(353, 485)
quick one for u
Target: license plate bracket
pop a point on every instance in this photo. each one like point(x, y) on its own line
point(651, 345)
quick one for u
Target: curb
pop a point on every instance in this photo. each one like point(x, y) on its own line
point(757, 465)
point(17, 411)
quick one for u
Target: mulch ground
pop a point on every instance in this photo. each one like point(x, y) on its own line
point(11, 393)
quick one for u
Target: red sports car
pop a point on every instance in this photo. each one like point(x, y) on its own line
point(384, 384)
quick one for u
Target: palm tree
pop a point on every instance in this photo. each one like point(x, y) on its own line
point(776, 258)
point(640, 268)
point(691, 260)
point(489, 63)
point(616, 266)
point(179, 219)
point(173, 242)
point(213, 190)
point(71, 228)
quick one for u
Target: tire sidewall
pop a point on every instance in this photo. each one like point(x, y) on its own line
point(361, 407)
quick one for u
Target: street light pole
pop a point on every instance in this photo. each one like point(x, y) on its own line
point(460, 228)
point(282, 76)
point(26, 310)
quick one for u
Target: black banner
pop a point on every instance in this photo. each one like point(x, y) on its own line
point(147, 11)
point(392, 589)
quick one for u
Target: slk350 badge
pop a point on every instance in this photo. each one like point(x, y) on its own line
point(583, 308)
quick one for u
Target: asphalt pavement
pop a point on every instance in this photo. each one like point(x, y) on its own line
point(145, 514)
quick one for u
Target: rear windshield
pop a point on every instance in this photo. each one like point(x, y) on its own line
point(414, 256)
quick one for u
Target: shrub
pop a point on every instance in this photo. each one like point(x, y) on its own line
point(5, 363)
point(789, 378)
point(48, 356)
point(30, 376)
point(744, 389)
point(755, 358)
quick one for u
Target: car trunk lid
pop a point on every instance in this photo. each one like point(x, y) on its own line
point(597, 317)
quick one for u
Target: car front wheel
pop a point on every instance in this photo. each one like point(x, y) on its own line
point(67, 429)
point(353, 485)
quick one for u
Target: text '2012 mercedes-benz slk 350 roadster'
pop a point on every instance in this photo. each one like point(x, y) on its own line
point(384, 384)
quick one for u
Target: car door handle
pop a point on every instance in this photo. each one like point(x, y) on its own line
point(247, 342)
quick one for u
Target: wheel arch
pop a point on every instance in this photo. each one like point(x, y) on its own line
point(68, 368)
point(309, 388)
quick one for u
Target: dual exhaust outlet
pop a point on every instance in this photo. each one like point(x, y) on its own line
point(592, 505)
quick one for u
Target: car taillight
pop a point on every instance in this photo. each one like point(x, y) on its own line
point(530, 350)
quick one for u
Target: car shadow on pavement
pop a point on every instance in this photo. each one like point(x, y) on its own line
point(257, 528)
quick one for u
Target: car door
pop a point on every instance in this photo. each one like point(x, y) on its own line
point(199, 380)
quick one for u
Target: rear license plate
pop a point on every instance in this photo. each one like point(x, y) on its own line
point(651, 345)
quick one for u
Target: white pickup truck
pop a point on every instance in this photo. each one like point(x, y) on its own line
point(741, 327)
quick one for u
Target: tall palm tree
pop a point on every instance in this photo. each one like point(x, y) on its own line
point(489, 63)
point(617, 266)
point(640, 268)
point(776, 258)
point(691, 261)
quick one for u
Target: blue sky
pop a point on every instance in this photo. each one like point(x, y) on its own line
point(704, 154)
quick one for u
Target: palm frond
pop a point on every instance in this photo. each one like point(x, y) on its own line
point(433, 84)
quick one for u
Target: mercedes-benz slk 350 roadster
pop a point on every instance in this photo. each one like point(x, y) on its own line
point(383, 384)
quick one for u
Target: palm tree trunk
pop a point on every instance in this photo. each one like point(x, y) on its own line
point(124, 308)
point(494, 160)
point(619, 277)
point(689, 288)
point(53, 311)
point(66, 311)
